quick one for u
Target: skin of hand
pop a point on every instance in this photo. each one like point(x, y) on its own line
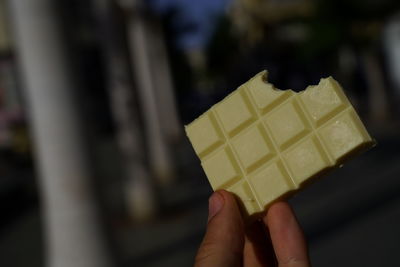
point(276, 240)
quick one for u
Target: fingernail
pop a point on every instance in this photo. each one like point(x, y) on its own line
point(215, 204)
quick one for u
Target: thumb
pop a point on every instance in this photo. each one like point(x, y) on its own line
point(224, 240)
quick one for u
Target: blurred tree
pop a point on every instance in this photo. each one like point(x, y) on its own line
point(221, 47)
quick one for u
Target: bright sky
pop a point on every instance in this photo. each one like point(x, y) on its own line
point(199, 12)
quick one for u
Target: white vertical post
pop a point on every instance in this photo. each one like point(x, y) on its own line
point(159, 158)
point(164, 87)
point(377, 98)
point(139, 193)
point(73, 233)
point(391, 38)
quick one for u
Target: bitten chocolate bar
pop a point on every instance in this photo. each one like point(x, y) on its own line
point(263, 144)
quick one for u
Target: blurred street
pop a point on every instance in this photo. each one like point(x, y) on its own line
point(350, 218)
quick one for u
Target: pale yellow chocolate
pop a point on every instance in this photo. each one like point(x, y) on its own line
point(263, 144)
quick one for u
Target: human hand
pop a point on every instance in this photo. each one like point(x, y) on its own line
point(275, 241)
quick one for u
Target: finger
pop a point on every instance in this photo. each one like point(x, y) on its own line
point(224, 239)
point(258, 249)
point(287, 237)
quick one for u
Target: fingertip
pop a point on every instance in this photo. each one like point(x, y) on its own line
point(215, 204)
point(228, 196)
point(279, 212)
point(224, 240)
point(230, 201)
point(286, 235)
point(229, 217)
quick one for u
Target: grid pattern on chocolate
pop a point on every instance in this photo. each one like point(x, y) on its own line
point(261, 143)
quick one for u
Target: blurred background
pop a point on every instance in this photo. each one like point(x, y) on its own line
point(95, 168)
